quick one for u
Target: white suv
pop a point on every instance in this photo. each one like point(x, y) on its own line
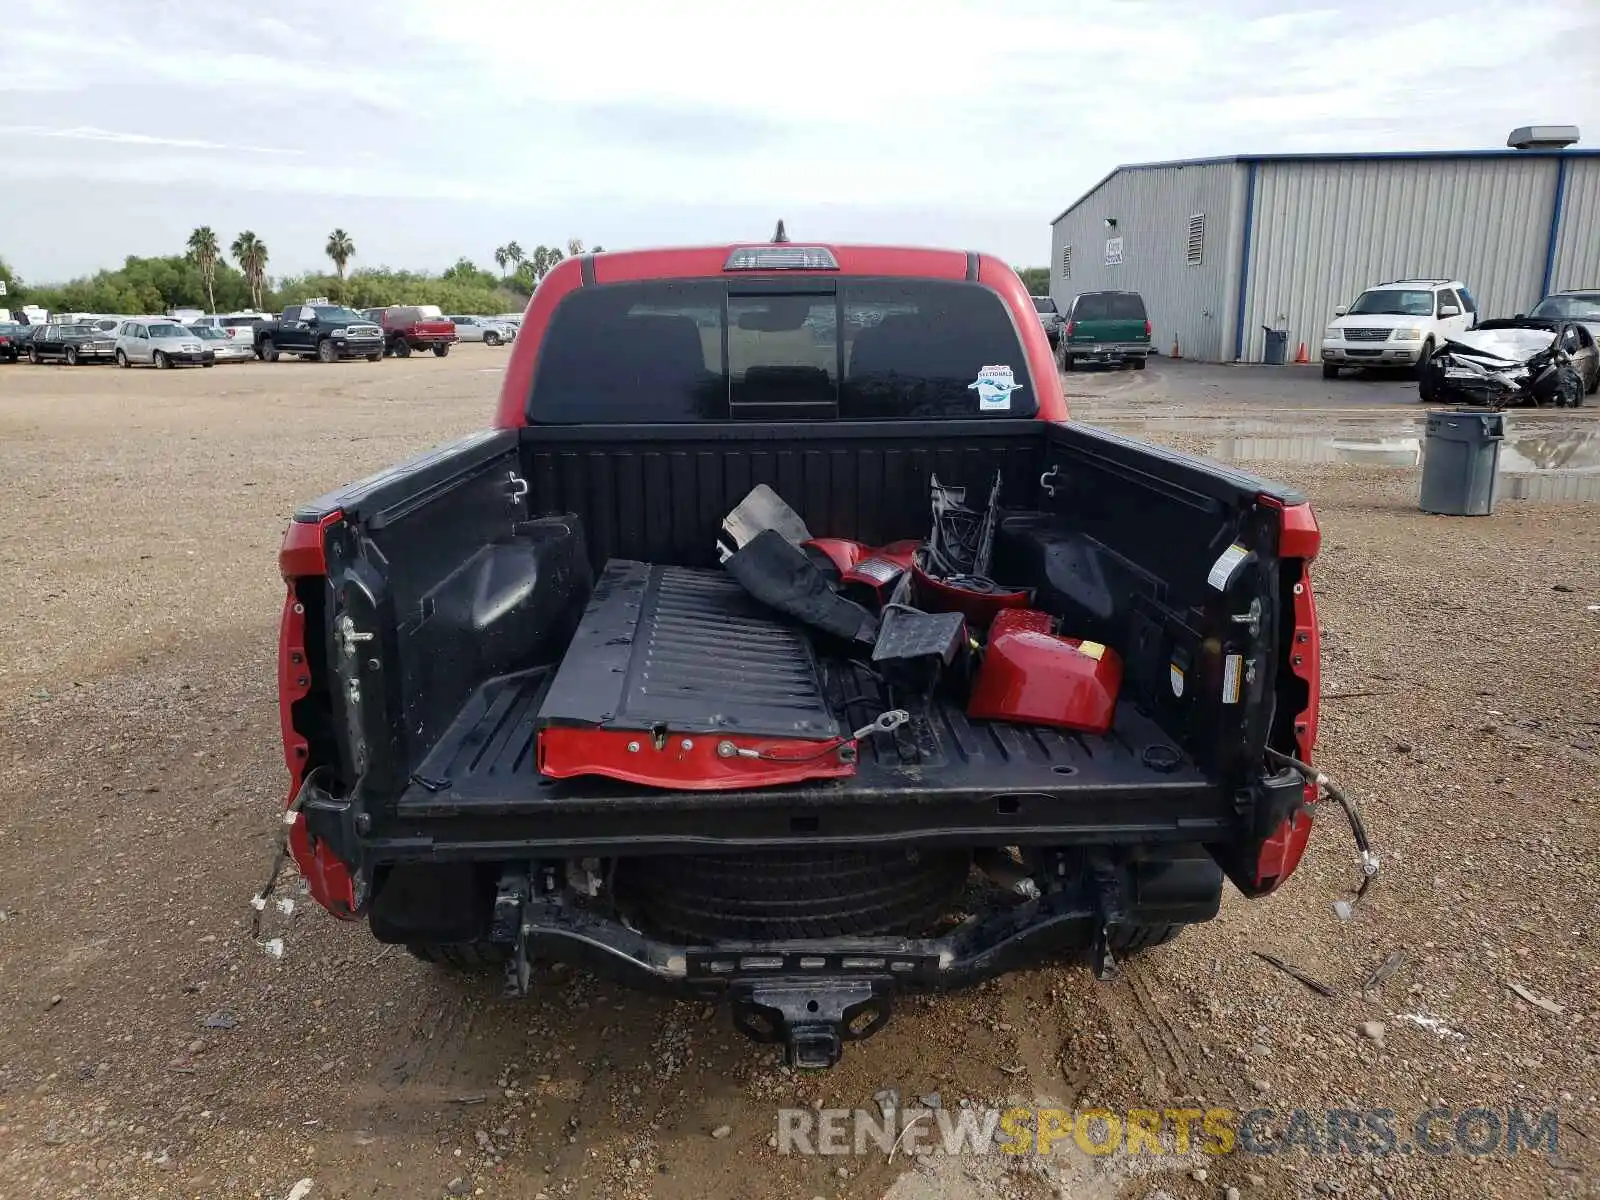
point(1397, 324)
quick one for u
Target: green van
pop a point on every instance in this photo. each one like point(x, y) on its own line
point(1106, 327)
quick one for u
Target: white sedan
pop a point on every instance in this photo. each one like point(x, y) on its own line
point(227, 349)
point(482, 329)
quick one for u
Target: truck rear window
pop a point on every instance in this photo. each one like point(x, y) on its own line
point(716, 350)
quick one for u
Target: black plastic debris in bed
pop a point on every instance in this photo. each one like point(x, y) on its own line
point(678, 678)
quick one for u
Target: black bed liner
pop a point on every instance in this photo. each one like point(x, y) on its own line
point(485, 764)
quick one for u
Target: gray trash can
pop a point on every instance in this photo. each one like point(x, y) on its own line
point(1277, 346)
point(1461, 462)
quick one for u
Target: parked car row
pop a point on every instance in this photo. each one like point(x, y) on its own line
point(70, 344)
point(152, 341)
point(325, 332)
point(1430, 326)
point(419, 328)
point(1433, 327)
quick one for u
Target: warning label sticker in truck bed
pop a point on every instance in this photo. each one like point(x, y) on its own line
point(1222, 571)
point(1231, 669)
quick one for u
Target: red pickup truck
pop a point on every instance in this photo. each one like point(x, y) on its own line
point(419, 327)
point(527, 713)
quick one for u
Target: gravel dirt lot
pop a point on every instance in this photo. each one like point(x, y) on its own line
point(151, 1048)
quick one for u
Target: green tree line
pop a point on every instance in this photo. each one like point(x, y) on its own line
point(203, 277)
point(1035, 279)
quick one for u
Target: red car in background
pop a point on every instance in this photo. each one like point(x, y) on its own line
point(419, 327)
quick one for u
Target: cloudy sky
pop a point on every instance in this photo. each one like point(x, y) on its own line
point(435, 128)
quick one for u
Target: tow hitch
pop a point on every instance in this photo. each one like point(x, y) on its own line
point(811, 1020)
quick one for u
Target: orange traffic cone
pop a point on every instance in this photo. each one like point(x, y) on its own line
point(1300, 355)
point(1176, 353)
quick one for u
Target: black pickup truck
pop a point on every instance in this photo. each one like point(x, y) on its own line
point(529, 715)
point(325, 332)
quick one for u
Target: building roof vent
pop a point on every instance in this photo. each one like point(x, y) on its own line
point(1543, 137)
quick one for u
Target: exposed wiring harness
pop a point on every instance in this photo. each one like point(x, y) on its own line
point(962, 540)
point(1328, 790)
point(280, 855)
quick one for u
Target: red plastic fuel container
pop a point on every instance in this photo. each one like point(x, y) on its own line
point(1032, 677)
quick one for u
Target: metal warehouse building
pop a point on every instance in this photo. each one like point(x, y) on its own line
point(1221, 247)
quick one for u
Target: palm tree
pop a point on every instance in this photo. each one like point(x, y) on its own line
point(574, 247)
point(205, 252)
point(502, 255)
point(514, 255)
point(341, 249)
point(251, 253)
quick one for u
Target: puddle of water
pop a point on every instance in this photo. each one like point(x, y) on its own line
point(1554, 460)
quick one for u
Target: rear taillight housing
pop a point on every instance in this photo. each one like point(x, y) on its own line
point(1147, 327)
point(303, 696)
point(1071, 325)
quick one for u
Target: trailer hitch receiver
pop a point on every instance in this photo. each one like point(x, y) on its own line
point(812, 1022)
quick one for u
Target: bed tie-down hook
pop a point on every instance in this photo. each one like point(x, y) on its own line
point(516, 487)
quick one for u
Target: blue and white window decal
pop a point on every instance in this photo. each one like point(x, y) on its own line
point(994, 386)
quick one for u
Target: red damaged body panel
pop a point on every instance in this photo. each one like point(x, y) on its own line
point(692, 762)
point(979, 608)
point(301, 557)
point(874, 571)
point(1299, 540)
point(1031, 676)
point(848, 556)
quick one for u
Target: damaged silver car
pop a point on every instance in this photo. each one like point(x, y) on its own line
point(1516, 361)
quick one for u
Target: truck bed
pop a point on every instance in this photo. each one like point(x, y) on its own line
point(475, 654)
point(993, 780)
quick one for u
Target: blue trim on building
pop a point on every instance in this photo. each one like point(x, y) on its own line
point(1555, 228)
point(1368, 156)
point(1244, 259)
